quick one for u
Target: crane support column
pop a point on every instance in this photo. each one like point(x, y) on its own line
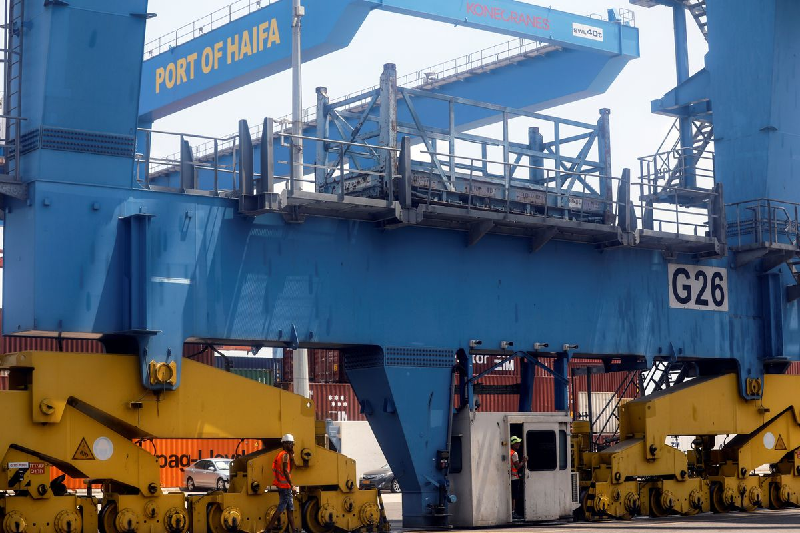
point(687, 159)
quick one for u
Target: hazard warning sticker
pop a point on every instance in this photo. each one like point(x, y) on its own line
point(84, 452)
point(36, 468)
point(780, 444)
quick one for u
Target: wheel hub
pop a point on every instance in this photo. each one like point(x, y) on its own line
point(14, 522)
point(67, 521)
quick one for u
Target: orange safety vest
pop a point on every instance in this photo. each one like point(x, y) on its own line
point(277, 467)
point(514, 471)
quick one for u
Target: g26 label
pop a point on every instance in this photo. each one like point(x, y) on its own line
point(698, 287)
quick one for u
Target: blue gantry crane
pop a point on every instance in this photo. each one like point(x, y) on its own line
point(409, 243)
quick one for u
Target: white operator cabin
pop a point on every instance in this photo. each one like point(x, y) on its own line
point(480, 469)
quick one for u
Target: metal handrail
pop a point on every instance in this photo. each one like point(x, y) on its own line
point(664, 218)
point(643, 207)
point(414, 80)
point(187, 32)
point(766, 222)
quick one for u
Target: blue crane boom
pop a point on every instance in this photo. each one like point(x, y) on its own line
point(257, 45)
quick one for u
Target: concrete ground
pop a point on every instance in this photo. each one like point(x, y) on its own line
point(761, 521)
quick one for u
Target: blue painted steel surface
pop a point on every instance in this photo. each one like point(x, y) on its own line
point(524, 20)
point(756, 119)
point(219, 61)
point(383, 382)
point(90, 252)
point(216, 62)
point(69, 114)
point(217, 275)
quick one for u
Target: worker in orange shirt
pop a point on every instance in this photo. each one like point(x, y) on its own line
point(282, 469)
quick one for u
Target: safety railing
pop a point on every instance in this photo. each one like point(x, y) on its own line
point(222, 176)
point(680, 168)
point(202, 25)
point(670, 215)
point(224, 173)
point(437, 73)
point(763, 222)
point(512, 190)
point(343, 169)
point(422, 78)
point(554, 202)
point(221, 173)
point(622, 15)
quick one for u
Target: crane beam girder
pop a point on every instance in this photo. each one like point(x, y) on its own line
point(258, 45)
point(206, 272)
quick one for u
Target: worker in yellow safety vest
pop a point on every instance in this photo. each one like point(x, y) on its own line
point(516, 470)
point(282, 468)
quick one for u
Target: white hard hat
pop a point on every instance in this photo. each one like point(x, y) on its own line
point(287, 438)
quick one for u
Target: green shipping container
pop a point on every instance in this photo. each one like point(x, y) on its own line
point(267, 377)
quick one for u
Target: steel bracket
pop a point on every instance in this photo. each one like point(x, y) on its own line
point(14, 189)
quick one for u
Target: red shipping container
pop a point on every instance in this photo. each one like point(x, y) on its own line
point(325, 366)
point(335, 401)
point(481, 363)
point(199, 353)
point(288, 366)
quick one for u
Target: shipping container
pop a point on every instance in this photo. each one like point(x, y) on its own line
point(794, 369)
point(325, 366)
point(288, 366)
point(199, 352)
point(267, 377)
point(481, 363)
point(22, 344)
point(274, 365)
point(336, 401)
point(174, 454)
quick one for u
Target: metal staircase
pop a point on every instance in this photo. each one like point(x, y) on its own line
point(681, 177)
point(697, 8)
point(11, 57)
point(671, 166)
point(667, 374)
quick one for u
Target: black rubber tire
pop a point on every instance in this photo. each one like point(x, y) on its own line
point(775, 502)
point(106, 518)
point(395, 486)
point(717, 505)
point(190, 486)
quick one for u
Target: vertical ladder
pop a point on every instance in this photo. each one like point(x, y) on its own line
point(11, 57)
point(698, 10)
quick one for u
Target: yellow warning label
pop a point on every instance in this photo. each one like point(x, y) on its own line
point(83, 453)
point(779, 444)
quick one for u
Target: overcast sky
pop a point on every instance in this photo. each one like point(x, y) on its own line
point(414, 44)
